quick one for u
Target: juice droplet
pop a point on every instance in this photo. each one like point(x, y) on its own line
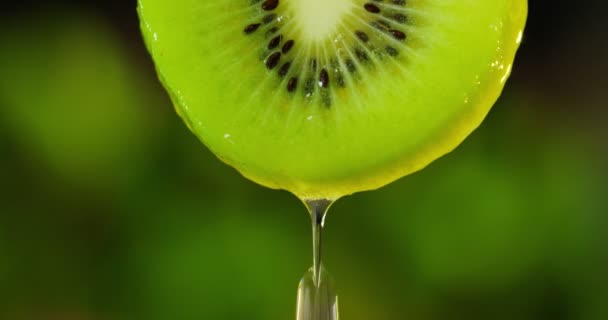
point(318, 210)
point(317, 299)
point(317, 302)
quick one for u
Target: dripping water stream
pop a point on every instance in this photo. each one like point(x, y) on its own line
point(317, 299)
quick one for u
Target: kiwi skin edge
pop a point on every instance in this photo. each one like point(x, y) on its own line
point(440, 144)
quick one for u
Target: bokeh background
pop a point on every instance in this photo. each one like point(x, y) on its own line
point(110, 209)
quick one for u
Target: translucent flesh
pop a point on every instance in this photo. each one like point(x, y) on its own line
point(400, 117)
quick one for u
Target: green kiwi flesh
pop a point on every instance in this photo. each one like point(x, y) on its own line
point(325, 98)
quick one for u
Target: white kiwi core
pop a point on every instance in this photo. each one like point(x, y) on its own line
point(318, 19)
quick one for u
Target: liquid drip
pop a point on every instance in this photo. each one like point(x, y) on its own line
point(317, 299)
point(317, 302)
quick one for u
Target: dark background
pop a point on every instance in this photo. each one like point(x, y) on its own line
point(111, 209)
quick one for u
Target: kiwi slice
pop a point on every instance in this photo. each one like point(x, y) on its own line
point(325, 98)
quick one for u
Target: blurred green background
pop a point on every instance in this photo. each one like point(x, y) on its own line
point(110, 209)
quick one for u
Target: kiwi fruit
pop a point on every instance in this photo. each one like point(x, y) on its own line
point(325, 98)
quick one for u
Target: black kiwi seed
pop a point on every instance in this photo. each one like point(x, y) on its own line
point(292, 84)
point(270, 5)
point(381, 25)
point(271, 31)
point(275, 42)
point(399, 17)
point(284, 69)
point(287, 46)
point(361, 55)
point(371, 8)
point(251, 28)
point(362, 36)
point(269, 18)
point(392, 51)
point(323, 78)
point(397, 34)
point(273, 60)
point(350, 65)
